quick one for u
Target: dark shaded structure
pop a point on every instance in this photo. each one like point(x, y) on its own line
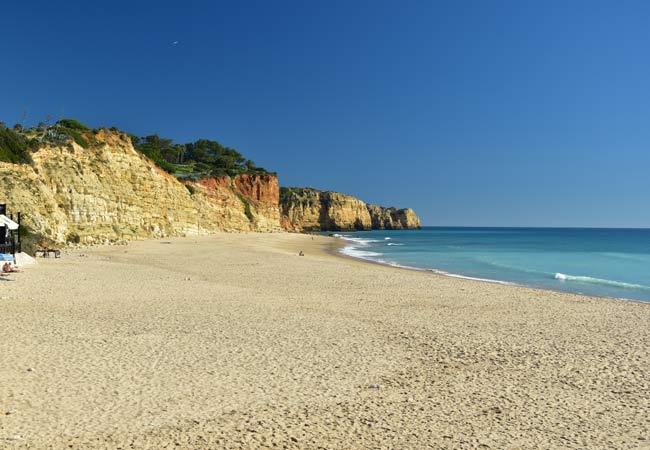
point(9, 233)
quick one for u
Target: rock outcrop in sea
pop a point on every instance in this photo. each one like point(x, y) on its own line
point(306, 209)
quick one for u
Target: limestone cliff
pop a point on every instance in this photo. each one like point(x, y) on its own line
point(107, 191)
point(111, 192)
point(243, 203)
point(393, 218)
point(305, 209)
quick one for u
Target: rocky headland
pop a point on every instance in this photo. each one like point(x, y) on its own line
point(99, 188)
point(307, 209)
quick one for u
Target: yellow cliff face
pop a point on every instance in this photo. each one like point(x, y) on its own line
point(344, 212)
point(408, 219)
point(301, 211)
point(111, 192)
point(228, 200)
point(393, 218)
point(313, 210)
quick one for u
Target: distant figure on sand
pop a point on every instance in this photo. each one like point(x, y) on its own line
point(301, 253)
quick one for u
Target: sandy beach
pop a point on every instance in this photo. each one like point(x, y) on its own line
point(235, 341)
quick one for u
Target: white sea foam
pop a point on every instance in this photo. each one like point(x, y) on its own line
point(522, 270)
point(361, 241)
point(401, 266)
point(357, 247)
point(357, 240)
point(600, 281)
point(464, 277)
point(354, 251)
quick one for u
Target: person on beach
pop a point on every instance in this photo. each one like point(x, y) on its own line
point(7, 268)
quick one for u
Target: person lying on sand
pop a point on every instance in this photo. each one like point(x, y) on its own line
point(8, 268)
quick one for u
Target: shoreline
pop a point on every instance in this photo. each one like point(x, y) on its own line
point(235, 341)
point(444, 273)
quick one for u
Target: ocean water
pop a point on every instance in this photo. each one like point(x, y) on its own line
point(598, 262)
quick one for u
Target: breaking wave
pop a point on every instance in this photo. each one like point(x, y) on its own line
point(356, 246)
point(465, 277)
point(356, 253)
point(600, 281)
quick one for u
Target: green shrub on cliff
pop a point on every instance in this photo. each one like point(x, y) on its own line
point(202, 158)
point(62, 132)
point(247, 207)
point(286, 192)
point(153, 147)
point(77, 137)
point(16, 144)
point(14, 147)
point(73, 129)
point(193, 160)
point(72, 124)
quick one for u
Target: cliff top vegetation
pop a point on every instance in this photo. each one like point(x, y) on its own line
point(194, 160)
point(14, 147)
point(286, 192)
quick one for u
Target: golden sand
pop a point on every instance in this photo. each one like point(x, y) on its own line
point(235, 341)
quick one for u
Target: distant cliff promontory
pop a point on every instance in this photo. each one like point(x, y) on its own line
point(75, 185)
point(306, 209)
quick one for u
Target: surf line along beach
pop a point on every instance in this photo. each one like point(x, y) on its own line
point(234, 341)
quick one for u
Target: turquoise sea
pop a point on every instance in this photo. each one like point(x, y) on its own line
point(591, 261)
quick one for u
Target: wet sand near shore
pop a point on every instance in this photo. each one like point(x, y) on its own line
point(235, 341)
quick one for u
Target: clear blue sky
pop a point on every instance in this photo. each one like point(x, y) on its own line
point(472, 112)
